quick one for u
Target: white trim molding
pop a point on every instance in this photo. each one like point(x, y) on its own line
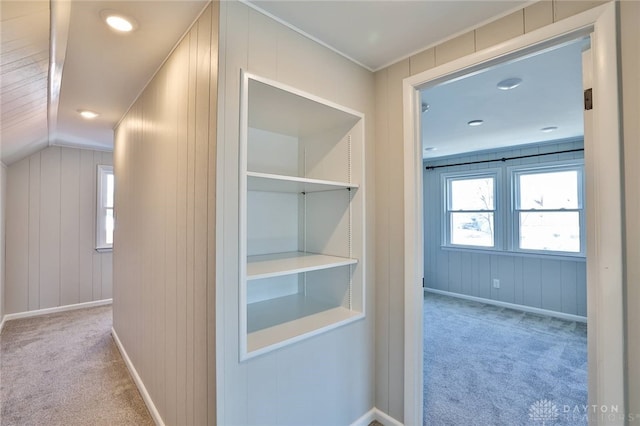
point(603, 206)
point(376, 415)
point(155, 414)
point(515, 306)
point(47, 311)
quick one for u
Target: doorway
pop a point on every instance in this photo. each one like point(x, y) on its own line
point(604, 248)
point(505, 271)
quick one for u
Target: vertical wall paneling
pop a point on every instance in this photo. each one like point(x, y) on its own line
point(17, 246)
point(551, 287)
point(86, 225)
point(181, 65)
point(3, 215)
point(50, 216)
point(396, 232)
point(163, 270)
point(53, 232)
point(203, 92)
point(285, 386)
point(69, 230)
point(629, 35)
point(34, 231)
point(383, 285)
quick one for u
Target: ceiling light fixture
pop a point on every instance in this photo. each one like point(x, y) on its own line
point(425, 107)
point(430, 148)
point(89, 115)
point(118, 21)
point(549, 129)
point(474, 123)
point(509, 83)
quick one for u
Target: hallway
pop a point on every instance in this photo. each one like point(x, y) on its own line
point(65, 369)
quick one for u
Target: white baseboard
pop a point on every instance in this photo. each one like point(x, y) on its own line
point(138, 381)
point(377, 415)
point(47, 311)
point(540, 311)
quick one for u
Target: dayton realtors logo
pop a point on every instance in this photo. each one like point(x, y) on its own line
point(543, 412)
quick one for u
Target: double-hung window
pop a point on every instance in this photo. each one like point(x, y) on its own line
point(104, 208)
point(471, 209)
point(548, 213)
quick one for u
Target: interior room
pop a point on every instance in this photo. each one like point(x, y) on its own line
point(503, 302)
point(207, 210)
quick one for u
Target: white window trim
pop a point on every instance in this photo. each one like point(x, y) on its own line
point(101, 208)
point(498, 220)
point(553, 166)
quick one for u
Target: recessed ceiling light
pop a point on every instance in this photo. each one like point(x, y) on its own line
point(118, 21)
point(89, 115)
point(474, 123)
point(549, 129)
point(430, 148)
point(425, 107)
point(509, 83)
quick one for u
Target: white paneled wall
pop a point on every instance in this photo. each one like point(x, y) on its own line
point(327, 379)
point(390, 170)
point(3, 215)
point(546, 282)
point(50, 231)
point(164, 258)
point(630, 34)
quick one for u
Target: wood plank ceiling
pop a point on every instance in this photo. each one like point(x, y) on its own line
point(24, 61)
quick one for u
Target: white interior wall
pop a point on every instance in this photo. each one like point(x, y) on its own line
point(164, 257)
point(630, 34)
point(553, 283)
point(327, 379)
point(50, 231)
point(390, 172)
point(3, 208)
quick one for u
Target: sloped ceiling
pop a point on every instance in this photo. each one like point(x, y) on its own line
point(24, 62)
point(95, 68)
point(105, 71)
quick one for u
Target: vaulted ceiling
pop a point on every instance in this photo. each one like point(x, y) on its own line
point(24, 63)
point(48, 73)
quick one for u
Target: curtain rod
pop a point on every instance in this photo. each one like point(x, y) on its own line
point(503, 159)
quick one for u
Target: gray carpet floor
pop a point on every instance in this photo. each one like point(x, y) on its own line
point(486, 365)
point(64, 369)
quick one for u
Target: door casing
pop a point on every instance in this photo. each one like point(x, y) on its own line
point(605, 316)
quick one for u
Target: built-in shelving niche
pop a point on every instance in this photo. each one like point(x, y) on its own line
point(301, 216)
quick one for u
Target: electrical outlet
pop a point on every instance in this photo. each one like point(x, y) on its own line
point(496, 283)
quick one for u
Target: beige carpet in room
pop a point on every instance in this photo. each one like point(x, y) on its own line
point(65, 369)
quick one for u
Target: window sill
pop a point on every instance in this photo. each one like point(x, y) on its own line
point(104, 249)
point(491, 251)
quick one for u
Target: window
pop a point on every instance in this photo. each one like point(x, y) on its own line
point(471, 210)
point(104, 220)
point(548, 209)
point(538, 210)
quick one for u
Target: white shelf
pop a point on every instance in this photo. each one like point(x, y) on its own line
point(278, 264)
point(278, 322)
point(280, 183)
point(294, 143)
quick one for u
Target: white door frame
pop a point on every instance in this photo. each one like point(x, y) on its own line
point(603, 207)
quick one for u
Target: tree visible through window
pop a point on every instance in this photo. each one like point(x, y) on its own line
point(105, 220)
point(471, 211)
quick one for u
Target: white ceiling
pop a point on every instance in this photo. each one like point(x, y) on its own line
point(550, 95)
point(105, 71)
point(377, 33)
